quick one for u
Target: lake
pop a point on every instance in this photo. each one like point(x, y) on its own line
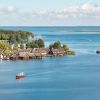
point(55, 78)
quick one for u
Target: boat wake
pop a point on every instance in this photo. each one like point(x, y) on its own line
point(29, 75)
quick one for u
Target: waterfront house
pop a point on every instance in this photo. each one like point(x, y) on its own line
point(24, 55)
point(57, 52)
point(31, 55)
point(42, 51)
point(14, 57)
point(25, 50)
point(38, 55)
point(28, 50)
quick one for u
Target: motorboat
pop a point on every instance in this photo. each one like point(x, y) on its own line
point(20, 75)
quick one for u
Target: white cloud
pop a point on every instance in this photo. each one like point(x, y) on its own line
point(86, 14)
point(8, 9)
point(84, 11)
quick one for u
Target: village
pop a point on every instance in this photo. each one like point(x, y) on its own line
point(34, 53)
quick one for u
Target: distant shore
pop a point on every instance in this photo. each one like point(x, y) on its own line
point(82, 31)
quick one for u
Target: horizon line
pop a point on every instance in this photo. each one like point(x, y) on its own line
point(54, 26)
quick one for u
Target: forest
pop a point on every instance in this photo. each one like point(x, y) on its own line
point(15, 36)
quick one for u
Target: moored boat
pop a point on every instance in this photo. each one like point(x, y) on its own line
point(20, 75)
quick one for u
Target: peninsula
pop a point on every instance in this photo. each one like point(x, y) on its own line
point(22, 45)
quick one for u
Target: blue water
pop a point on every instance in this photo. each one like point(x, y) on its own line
point(57, 78)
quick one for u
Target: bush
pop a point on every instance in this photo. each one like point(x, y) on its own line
point(65, 47)
point(21, 46)
point(70, 52)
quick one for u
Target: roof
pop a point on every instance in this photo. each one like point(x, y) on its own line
point(61, 50)
point(23, 54)
point(41, 50)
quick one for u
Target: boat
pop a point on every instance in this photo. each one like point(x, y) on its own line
point(20, 75)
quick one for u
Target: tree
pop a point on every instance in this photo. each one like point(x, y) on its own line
point(18, 38)
point(4, 46)
point(13, 39)
point(15, 46)
point(15, 36)
point(21, 46)
point(35, 45)
point(28, 45)
point(32, 44)
point(65, 47)
point(36, 42)
point(57, 45)
point(50, 47)
point(41, 43)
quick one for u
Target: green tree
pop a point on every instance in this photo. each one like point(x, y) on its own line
point(41, 43)
point(4, 46)
point(65, 47)
point(18, 38)
point(21, 46)
point(50, 47)
point(15, 46)
point(13, 39)
point(15, 36)
point(57, 45)
point(35, 45)
point(28, 45)
point(32, 44)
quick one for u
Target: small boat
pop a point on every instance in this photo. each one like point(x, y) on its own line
point(20, 75)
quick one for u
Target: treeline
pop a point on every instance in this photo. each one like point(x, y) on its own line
point(39, 43)
point(58, 45)
point(15, 36)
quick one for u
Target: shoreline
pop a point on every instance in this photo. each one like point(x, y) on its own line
point(81, 31)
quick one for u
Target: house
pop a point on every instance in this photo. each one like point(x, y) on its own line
point(57, 52)
point(42, 51)
point(31, 55)
point(14, 57)
point(25, 50)
point(38, 55)
point(23, 55)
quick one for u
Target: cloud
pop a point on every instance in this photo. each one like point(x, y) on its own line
point(85, 14)
point(8, 9)
point(84, 11)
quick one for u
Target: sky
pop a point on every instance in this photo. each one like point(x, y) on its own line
point(49, 12)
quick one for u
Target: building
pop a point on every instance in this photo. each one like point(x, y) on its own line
point(57, 52)
point(42, 51)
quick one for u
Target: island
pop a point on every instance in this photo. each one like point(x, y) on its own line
point(15, 45)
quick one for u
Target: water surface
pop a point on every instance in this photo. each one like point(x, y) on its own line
point(55, 78)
